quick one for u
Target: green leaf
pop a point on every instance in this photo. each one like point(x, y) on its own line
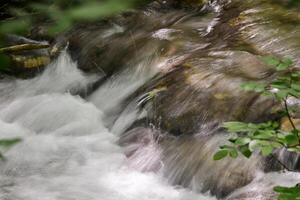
point(281, 189)
point(282, 66)
point(279, 85)
point(288, 193)
point(94, 10)
point(233, 153)
point(291, 139)
point(282, 94)
point(281, 137)
point(253, 86)
point(253, 145)
point(275, 125)
point(270, 60)
point(9, 142)
point(242, 141)
point(296, 74)
point(266, 150)
point(221, 154)
point(294, 93)
point(276, 144)
point(227, 147)
point(232, 140)
point(267, 93)
point(295, 131)
point(255, 127)
point(287, 61)
point(295, 86)
point(264, 134)
point(235, 126)
point(245, 151)
point(264, 142)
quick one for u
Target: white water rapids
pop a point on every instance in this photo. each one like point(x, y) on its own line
point(66, 152)
point(69, 145)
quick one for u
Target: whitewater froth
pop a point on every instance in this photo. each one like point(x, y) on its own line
point(66, 151)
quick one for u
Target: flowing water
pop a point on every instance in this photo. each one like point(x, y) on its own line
point(132, 109)
point(67, 152)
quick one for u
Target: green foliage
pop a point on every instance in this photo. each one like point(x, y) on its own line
point(221, 154)
point(94, 10)
point(286, 84)
point(263, 137)
point(277, 63)
point(61, 16)
point(14, 26)
point(288, 193)
point(6, 144)
point(253, 86)
point(266, 137)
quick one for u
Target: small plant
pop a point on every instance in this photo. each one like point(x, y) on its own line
point(288, 193)
point(268, 136)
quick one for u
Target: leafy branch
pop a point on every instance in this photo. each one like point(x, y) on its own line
point(268, 136)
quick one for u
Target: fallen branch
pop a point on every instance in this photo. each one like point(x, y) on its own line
point(22, 47)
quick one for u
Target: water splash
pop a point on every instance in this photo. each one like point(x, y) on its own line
point(67, 152)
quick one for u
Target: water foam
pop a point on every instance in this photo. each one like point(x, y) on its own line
point(66, 151)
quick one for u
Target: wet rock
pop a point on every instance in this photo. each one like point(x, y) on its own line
point(209, 92)
point(142, 149)
point(188, 162)
point(269, 28)
point(261, 188)
point(97, 48)
point(286, 123)
point(254, 195)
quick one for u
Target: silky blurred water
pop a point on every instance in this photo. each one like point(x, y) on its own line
point(66, 151)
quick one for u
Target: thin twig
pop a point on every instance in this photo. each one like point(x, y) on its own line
point(288, 114)
point(290, 119)
point(283, 165)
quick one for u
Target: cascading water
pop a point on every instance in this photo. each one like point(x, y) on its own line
point(146, 124)
point(66, 151)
